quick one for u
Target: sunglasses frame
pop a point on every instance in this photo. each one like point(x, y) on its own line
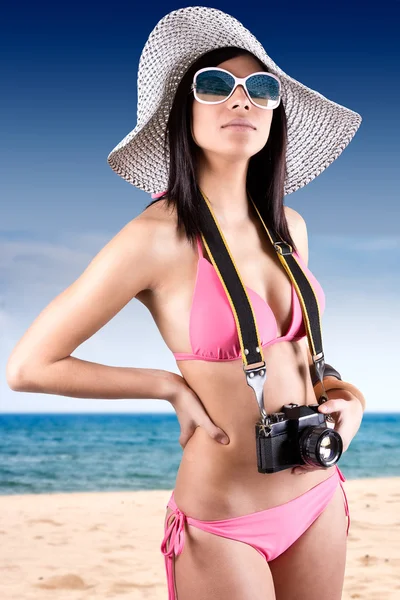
point(238, 81)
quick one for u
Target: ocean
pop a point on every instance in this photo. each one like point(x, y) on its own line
point(42, 453)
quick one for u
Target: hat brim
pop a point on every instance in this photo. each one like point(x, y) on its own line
point(318, 128)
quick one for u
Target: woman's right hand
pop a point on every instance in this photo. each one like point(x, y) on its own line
point(191, 414)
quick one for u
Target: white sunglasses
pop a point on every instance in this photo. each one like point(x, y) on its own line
point(213, 85)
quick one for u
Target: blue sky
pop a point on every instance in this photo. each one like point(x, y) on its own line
point(69, 96)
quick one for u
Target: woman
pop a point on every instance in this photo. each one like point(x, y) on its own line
point(220, 499)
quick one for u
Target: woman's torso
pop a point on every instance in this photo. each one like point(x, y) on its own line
point(216, 481)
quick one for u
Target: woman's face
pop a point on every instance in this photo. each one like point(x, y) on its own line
point(209, 128)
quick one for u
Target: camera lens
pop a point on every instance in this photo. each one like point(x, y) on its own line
point(320, 446)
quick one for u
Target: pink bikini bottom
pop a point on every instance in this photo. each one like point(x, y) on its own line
point(269, 531)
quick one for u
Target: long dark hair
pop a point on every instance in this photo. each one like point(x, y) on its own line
point(266, 171)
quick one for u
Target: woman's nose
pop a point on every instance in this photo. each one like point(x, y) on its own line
point(239, 95)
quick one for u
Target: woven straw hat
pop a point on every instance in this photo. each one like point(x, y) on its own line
point(318, 129)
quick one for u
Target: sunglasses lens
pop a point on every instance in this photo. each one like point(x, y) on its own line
point(264, 90)
point(213, 86)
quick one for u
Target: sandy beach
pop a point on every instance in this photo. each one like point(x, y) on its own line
point(107, 544)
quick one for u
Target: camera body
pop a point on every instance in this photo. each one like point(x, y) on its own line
point(296, 435)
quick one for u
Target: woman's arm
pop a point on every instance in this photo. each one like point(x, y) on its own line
point(42, 362)
point(331, 383)
point(79, 378)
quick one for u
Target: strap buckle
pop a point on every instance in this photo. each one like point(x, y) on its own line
point(256, 377)
point(283, 248)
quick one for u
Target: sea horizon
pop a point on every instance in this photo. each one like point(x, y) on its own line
point(67, 452)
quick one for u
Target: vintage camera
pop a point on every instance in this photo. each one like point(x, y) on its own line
point(296, 436)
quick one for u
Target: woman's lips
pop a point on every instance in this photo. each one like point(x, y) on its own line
point(240, 127)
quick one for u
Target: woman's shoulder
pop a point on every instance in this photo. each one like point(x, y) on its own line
point(298, 231)
point(292, 216)
point(166, 244)
point(160, 219)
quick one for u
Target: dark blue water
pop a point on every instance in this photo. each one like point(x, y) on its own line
point(98, 452)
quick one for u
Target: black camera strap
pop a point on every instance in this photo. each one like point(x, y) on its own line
point(250, 344)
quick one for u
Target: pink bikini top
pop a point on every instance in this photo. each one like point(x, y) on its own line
point(212, 327)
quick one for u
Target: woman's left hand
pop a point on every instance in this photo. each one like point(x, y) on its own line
point(347, 412)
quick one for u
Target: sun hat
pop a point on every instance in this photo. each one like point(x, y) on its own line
point(318, 128)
